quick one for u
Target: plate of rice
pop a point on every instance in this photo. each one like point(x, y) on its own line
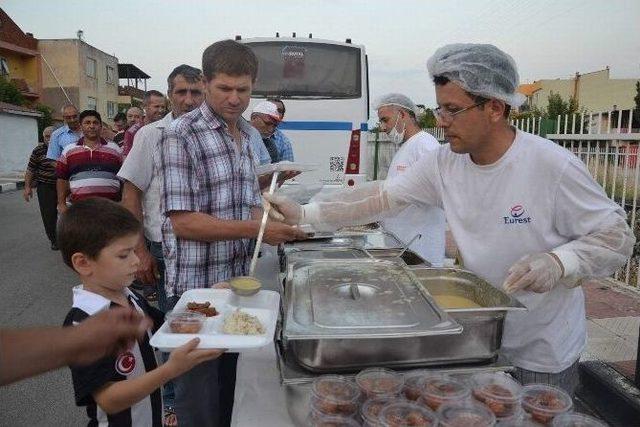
point(243, 322)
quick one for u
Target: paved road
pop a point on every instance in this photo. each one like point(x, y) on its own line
point(35, 289)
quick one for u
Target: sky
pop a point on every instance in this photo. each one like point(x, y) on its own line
point(547, 38)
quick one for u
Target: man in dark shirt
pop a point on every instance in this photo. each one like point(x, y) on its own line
point(41, 174)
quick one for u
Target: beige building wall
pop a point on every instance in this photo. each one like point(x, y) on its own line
point(69, 59)
point(62, 57)
point(540, 99)
point(97, 88)
point(596, 91)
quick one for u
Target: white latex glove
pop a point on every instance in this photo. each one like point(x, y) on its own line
point(283, 209)
point(536, 273)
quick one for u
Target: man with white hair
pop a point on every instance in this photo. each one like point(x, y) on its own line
point(526, 214)
point(398, 118)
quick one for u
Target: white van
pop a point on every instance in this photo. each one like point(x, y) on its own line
point(324, 85)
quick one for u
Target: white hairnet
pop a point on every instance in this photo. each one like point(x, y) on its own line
point(396, 100)
point(480, 69)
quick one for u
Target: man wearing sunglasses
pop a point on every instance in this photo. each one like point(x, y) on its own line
point(526, 214)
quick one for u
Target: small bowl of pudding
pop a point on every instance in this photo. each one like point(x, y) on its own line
point(245, 285)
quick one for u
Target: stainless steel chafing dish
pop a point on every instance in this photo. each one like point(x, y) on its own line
point(481, 337)
point(343, 315)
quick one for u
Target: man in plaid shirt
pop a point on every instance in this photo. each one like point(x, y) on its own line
point(212, 207)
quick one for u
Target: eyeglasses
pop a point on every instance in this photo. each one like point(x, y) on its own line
point(268, 121)
point(446, 115)
point(70, 117)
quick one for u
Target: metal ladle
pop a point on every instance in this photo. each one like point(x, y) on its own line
point(263, 224)
point(416, 237)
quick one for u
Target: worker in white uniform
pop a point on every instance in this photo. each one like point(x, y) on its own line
point(526, 214)
point(398, 118)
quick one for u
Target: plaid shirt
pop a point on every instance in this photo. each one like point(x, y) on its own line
point(204, 171)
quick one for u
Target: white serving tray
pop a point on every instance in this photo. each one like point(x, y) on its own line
point(265, 305)
point(286, 166)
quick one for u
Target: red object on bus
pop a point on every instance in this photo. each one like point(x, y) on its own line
point(353, 158)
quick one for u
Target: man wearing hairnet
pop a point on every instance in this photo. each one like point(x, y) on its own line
point(397, 115)
point(526, 214)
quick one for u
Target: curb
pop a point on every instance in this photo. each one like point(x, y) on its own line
point(11, 186)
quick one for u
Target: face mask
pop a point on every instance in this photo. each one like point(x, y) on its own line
point(397, 137)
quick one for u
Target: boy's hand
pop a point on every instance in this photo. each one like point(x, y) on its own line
point(185, 357)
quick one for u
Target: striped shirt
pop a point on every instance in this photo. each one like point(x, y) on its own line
point(91, 172)
point(205, 170)
point(137, 361)
point(43, 169)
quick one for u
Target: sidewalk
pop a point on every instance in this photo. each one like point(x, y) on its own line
point(613, 321)
point(11, 182)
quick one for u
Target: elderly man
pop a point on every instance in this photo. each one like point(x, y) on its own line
point(282, 143)
point(212, 205)
point(526, 214)
point(41, 173)
point(65, 135)
point(155, 105)
point(265, 118)
point(397, 115)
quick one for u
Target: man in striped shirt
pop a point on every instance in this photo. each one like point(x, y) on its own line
point(89, 167)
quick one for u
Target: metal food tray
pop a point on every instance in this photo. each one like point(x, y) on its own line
point(481, 338)
point(359, 298)
point(390, 323)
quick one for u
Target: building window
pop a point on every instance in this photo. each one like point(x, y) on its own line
point(111, 109)
point(92, 103)
point(4, 67)
point(91, 67)
point(110, 74)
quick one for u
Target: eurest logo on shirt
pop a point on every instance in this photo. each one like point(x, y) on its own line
point(516, 216)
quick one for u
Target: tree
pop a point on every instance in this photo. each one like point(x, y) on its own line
point(45, 120)
point(10, 93)
point(558, 106)
point(427, 119)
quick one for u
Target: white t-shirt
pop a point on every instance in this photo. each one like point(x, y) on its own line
point(141, 169)
point(537, 197)
point(428, 221)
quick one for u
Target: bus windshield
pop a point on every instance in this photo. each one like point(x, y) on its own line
point(307, 70)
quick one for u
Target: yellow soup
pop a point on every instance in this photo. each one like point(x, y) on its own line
point(454, 301)
point(245, 283)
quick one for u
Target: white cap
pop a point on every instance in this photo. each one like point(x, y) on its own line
point(396, 100)
point(268, 108)
point(480, 69)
